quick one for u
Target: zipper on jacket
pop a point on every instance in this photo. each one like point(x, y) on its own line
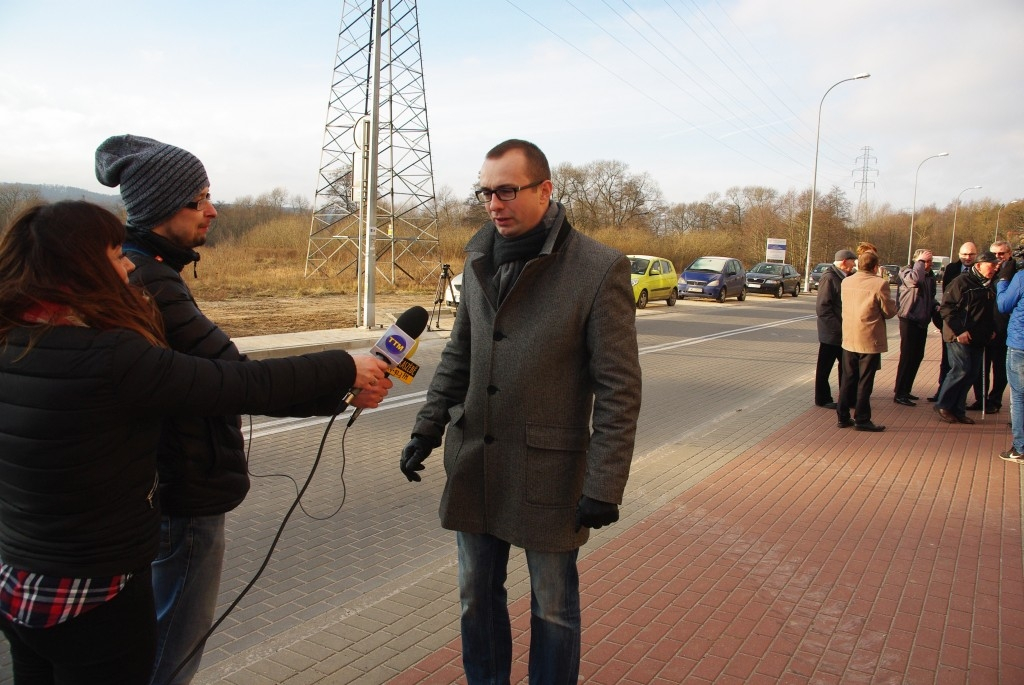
point(152, 490)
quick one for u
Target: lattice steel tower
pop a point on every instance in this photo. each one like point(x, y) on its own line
point(374, 211)
point(865, 171)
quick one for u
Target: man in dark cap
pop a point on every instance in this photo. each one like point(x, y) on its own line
point(968, 325)
point(829, 308)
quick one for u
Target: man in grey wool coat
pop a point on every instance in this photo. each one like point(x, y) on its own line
point(539, 386)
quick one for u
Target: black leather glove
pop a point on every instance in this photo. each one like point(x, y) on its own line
point(594, 513)
point(413, 455)
point(1006, 270)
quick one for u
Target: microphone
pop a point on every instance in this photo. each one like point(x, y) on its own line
point(395, 345)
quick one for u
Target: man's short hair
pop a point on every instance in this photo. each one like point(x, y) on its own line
point(918, 252)
point(536, 161)
point(867, 261)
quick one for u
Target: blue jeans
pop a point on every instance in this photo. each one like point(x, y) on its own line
point(486, 629)
point(964, 366)
point(186, 579)
point(1015, 375)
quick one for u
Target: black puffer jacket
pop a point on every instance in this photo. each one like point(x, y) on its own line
point(80, 417)
point(201, 459)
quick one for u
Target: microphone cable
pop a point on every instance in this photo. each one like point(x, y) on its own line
point(295, 483)
point(280, 531)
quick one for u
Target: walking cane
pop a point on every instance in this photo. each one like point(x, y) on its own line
point(984, 380)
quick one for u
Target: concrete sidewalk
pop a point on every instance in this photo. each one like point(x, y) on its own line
point(769, 548)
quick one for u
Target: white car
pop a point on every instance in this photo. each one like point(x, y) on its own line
point(454, 291)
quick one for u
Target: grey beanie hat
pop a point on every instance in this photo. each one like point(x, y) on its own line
point(156, 179)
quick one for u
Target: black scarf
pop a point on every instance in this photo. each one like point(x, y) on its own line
point(510, 255)
point(161, 249)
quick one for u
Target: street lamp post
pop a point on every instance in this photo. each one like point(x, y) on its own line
point(913, 209)
point(952, 238)
point(814, 180)
point(996, 236)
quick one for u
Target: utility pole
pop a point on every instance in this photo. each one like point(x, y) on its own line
point(374, 214)
point(865, 172)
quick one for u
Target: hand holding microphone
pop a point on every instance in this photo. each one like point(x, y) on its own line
point(393, 347)
point(371, 380)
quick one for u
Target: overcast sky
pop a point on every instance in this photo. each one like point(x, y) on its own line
point(700, 95)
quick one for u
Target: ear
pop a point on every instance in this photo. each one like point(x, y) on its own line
point(547, 188)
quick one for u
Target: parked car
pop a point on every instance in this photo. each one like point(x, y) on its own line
point(714, 277)
point(653, 278)
point(894, 273)
point(816, 273)
point(772, 278)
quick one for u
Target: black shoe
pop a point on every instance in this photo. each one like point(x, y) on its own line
point(828, 405)
point(912, 397)
point(992, 408)
point(868, 426)
point(946, 415)
point(844, 423)
point(905, 401)
point(964, 419)
point(933, 398)
point(974, 407)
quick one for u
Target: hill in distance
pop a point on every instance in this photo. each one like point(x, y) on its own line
point(54, 193)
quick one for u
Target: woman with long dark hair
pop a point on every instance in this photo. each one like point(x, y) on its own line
point(85, 379)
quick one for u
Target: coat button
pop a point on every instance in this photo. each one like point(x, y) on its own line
point(491, 390)
point(498, 336)
point(488, 439)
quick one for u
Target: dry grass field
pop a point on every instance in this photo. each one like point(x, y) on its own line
point(256, 285)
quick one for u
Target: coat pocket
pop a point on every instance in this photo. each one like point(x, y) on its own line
point(454, 436)
point(556, 459)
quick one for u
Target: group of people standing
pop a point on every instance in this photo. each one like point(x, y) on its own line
point(980, 317)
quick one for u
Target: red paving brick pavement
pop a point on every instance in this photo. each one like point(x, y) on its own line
point(820, 555)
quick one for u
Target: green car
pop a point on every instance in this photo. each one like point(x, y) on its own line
point(653, 278)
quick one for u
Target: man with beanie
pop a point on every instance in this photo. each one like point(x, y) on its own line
point(867, 303)
point(968, 325)
point(201, 460)
point(544, 347)
point(916, 307)
point(829, 307)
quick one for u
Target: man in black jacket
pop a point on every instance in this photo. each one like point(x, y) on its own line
point(829, 308)
point(201, 460)
point(968, 253)
point(967, 327)
point(991, 383)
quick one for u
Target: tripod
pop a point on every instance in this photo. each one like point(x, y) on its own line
point(444, 283)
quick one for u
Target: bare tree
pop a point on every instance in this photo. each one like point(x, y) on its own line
point(15, 198)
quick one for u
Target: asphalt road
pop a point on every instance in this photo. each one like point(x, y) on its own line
point(362, 527)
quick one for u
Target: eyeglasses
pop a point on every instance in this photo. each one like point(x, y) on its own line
point(1002, 253)
point(505, 193)
point(201, 204)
